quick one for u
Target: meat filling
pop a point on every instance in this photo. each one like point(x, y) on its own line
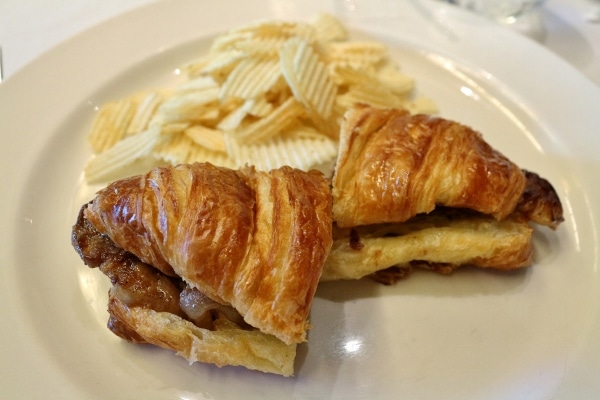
point(137, 284)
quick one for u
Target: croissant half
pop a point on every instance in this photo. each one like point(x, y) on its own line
point(417, 190)
point(256, 241)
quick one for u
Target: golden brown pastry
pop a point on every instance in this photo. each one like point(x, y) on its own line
point(249, 243)
point(393, 165)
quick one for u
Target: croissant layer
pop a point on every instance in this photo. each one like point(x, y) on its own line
point(393, 165)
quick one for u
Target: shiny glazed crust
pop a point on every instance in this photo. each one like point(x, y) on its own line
point(393, 165)
point(251, 239)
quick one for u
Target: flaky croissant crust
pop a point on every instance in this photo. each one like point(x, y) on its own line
point(255, 240)
point(393, 165)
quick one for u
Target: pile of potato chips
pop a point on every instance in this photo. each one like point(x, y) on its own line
point(268, 94)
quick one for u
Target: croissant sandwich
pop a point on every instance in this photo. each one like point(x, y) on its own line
point(219, 265)
point(417, 190)
point(222, 265)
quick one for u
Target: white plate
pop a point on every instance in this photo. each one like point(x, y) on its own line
point(528, 335)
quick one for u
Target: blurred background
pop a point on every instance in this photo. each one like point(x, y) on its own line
point(569, 28)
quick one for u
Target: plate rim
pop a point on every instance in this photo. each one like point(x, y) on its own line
point(19, 83)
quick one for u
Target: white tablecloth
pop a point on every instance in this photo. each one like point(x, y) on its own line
point(31, 27)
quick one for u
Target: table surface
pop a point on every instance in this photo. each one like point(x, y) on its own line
point(30, 27)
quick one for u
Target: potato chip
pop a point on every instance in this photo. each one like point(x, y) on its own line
point(251, 78)
point(268, 93)
point(227, 42)
point(174, 128)
point(174, 149)
point(376, 96)
point(303, 153)
point(277, 121)
point(232, 120)
point(357, 53)
point(261, 48)
point(121, 154)
point(398, 82)
point(308, 78)
point(362, 86)
point(144, 112)
point(199, 84)
point(258, 107)
point(186, 107)
point(255, 38)
point(328, 28)
point(202, 154)
point(110, 124)
point(212, 139)
point(270, 29)
point(180, 148)
point(308, 152)
point(302, 131)
point(344, 75)
point(216, 65)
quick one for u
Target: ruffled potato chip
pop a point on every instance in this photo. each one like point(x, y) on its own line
point(328, 28)
point(272, 124)
point(251, 78)
point(212, 139)
point(269, 93)
point(302, 152)
point(107, 164)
